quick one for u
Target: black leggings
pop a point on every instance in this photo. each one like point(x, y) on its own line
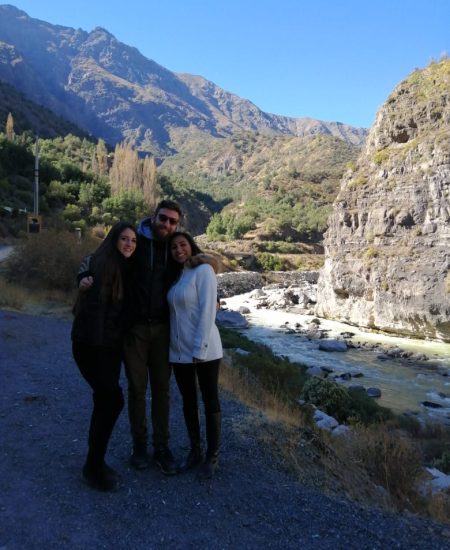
point(207, 374)
point(100, 367)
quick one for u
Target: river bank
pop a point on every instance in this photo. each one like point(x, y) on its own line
point(412, 375)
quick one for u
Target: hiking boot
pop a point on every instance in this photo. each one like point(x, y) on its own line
point(192, 460)
point(209, 467)
point(164, 458)
point(101, 479)
point(140, 459)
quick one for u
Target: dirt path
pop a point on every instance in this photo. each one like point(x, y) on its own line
point(44, 414)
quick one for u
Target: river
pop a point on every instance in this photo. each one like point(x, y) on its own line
point(404, 385)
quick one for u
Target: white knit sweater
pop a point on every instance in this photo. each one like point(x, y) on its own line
point(193, 331)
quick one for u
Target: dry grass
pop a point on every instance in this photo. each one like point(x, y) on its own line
point(302, 450)
point(380, 464)
point(14, 296)
point(389, 458)
point(247, 389)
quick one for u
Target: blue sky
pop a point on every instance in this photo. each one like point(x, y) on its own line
point(327, 59)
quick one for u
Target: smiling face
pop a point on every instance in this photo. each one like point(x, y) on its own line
point(165, 223)
point(180, 249)
point(126, 243)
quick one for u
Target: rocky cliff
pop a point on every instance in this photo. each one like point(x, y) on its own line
point(388, 243)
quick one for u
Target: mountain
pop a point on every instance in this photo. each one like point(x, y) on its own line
point(387, 248)
point(112, 91)
point(30, 116)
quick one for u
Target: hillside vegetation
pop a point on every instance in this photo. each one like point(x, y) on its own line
point(278, 187)
point(275, 190)
point(82, 184)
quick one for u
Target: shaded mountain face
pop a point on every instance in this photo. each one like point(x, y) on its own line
point(28, 115)
point(388, 243)
point(114, 92)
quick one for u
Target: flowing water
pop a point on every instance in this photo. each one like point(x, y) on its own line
point(404, 385)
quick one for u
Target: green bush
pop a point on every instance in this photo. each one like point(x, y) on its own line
point(345, 405)
point(328, 397)
point(269, 262)
point(365, 409)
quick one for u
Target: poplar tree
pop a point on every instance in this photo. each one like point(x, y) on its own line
point(9, 130)
point(149, 180)
point(101, 156)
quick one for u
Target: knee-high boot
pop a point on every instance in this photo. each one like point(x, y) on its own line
point(195, 455)
point(107, 408)
point(213, 430)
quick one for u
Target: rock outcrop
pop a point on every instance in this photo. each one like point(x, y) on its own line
point(387, 247)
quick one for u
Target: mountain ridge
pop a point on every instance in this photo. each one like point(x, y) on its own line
point(113, 91)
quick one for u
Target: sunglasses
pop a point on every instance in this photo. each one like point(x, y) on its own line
point(163, 218)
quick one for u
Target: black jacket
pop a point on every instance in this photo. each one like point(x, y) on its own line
point(98, 320)
point(155, 273)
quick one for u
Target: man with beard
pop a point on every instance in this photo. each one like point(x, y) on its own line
point(146, 348)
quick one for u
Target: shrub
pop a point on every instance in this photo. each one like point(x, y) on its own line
point(48, 260)
point(270, 262)
point(381, 156)
point(365, 409)
point(328, 397)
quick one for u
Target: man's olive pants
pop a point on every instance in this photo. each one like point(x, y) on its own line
point(146, 357)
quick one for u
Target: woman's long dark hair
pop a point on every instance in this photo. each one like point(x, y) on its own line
point(190, 239)
point(106, 263)
point(194, 247)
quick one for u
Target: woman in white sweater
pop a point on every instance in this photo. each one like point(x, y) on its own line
point(195, 346)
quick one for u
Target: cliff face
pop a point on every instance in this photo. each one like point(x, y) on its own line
point(387, 247)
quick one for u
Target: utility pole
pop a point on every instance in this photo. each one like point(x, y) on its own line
point(35, 221)
point(36, 177)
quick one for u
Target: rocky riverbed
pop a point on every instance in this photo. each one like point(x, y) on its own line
point(410, 375)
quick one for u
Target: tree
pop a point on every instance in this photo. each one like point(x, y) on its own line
point(149, 181)
point(101, 157)
point(10, 127)
point(129, 173)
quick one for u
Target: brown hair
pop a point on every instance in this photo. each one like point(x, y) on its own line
point(105, 262)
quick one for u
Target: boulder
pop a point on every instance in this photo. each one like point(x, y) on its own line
point(373, 392)
point(324, 421)
point(333, 345)
point(231, 319)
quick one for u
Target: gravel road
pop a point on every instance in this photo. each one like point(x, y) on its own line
point(252, 503)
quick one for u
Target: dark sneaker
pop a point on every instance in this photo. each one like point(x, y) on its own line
point(166, 462)
point(140, 459)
